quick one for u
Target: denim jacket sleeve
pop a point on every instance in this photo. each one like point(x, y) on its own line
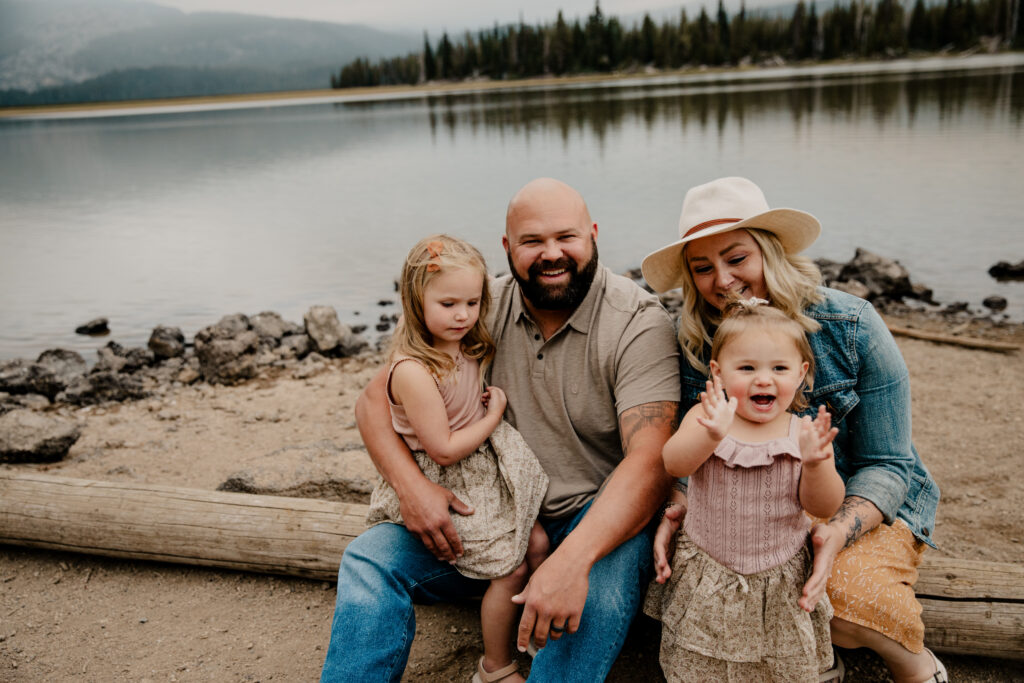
point(877, 448)
point(863, 381)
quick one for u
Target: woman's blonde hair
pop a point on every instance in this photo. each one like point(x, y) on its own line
point(738, 316)
point(431, 257)
point(791, 281)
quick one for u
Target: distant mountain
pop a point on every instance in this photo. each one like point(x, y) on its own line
point(54, 44)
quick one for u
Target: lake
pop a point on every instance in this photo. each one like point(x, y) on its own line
point(180, 217)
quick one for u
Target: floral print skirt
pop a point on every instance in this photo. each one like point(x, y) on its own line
point(723, 626)
point(504, 483)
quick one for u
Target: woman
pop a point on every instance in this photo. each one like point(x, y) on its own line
point(867, 553)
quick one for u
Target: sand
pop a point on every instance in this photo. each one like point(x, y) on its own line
point(76, 617)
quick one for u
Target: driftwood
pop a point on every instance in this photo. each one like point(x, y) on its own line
point(969, 342)
point(970, 607)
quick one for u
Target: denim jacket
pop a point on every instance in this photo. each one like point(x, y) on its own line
point(860, 377)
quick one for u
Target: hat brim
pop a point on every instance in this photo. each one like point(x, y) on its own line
point(796, 230)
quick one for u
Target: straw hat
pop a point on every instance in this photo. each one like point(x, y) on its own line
point(720, 206)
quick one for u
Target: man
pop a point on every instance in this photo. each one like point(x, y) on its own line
point(589, 363)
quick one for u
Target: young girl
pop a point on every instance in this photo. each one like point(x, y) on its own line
point(730, 609)
point(438, 353)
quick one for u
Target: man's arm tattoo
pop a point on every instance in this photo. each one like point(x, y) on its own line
point(850, 515)
point(663, 414)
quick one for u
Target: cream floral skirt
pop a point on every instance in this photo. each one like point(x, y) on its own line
point(718, 625)
point(504, 483)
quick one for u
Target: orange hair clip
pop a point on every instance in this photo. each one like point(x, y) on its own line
point(435, 249)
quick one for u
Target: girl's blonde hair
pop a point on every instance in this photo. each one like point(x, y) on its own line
point(792, 283)
point(738, 316)
point(431, 257)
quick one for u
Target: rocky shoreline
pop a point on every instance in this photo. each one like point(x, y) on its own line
point(39, 398)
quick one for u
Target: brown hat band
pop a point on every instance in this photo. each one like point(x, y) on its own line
point(708, 224)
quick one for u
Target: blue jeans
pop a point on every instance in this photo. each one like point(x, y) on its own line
point(386, 569)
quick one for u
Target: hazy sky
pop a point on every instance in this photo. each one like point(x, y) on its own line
point(452, 15)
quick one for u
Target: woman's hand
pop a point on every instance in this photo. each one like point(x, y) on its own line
point(664, 541)
point(718, 412)
point(816, 437)
point(826, 540)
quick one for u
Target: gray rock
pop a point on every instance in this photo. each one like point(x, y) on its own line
point(233, 324)
point(166, 342)
point(66, 365)
point(21, 376)
point(269, 325)
point(103, 386)
point(226, 353)
point(1004, 270)
point(323, 328)
point(28, 436)
point(110, 358)
point(320, 470)
point(96, 326)
point(137, 358)
point(853, 287)
point(30, 401)
point(295, 346)
point(882, 276)
point(995, 303)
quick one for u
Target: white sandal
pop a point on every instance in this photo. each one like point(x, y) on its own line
point(836, 673)
point(940, 675)
point(483, 676)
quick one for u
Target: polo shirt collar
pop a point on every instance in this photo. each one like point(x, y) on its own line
point(582, 317)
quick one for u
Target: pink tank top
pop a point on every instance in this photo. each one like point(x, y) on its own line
point(461, 393)
point(743, 503)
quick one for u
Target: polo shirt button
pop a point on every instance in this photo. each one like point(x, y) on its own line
point(536, 336)
point(540, 356)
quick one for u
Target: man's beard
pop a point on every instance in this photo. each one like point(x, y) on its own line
point(560, 298)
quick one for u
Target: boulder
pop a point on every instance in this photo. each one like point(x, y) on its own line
point(883, 277)
point(320, 470)
point(995, 303)
point(1004, 270)
point(97, 326)
point(166, 342)
point(233, 324)
point(854, 287)
point(329, 336)
point(137, 358)
point(21, 376)
point(103, 386)
point(111, 358)
point(269, 326)
point(295, 346)
point(226, 351)
point(67, 366)
point(28, 436)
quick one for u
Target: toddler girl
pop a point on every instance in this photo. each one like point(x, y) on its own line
point(730, 608)
point(438, 353)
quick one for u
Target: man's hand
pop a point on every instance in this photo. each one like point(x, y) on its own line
point(552, 601)
point(425, 511)
point(665, 541)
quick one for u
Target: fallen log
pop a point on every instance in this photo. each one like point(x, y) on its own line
point(970, 607)
point(267, 534)
point(968, 342)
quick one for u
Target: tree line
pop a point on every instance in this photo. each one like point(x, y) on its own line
point(603, 44)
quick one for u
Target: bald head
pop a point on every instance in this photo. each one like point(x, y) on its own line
point(545, 197)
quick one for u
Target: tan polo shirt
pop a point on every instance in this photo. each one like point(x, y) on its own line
point(617, 351)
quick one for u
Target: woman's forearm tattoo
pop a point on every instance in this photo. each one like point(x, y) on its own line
point(851, 515)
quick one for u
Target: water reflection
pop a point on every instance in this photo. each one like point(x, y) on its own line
point(602, 111)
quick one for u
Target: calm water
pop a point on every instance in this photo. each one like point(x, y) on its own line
point(181, 218)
